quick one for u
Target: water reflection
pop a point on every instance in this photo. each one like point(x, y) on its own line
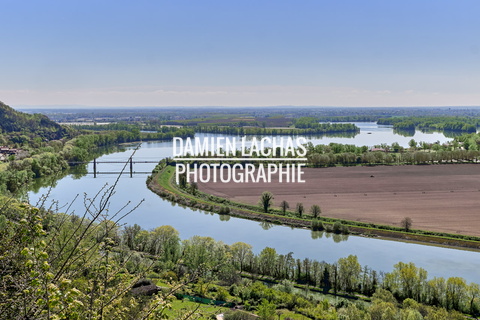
point(224, 217)
point(46, 182)
point(266, 225)
point(347, 135)
point(452, 134)
point(336, 237)
point(79, 171)
point(405, 132)
point(317, 234)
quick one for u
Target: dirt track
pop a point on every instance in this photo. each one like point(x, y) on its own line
point(436, 197)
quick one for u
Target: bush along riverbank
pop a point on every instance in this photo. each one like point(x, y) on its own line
point(162, 183)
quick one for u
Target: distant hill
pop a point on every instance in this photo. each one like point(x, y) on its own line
point(12, 121)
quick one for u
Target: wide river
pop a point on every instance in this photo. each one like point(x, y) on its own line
point(378, 254)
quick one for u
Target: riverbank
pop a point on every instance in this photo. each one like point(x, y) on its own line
point(161, 183)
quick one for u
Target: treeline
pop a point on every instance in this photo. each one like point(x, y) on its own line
point(78, 148)
point(313, 123)
point(215, 122)
point(463, 124)
point(116, 126)
point(323, 128)
point(215, 260)
point(234, 128)
point(151, 125)
point(351, 118)
point(463, 149)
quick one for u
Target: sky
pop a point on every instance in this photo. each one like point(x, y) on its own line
point(240, 53)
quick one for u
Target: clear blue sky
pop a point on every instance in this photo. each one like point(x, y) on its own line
point(240, 53)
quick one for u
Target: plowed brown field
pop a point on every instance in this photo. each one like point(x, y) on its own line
point(436, 197)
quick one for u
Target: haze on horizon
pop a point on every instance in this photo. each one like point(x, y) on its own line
point(242, 53)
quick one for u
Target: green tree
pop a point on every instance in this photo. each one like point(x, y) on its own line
point(456, 291)
point(380, 310)
point(474, 294)
point(266, 310)
point(204, 255)
point(436, 289)
point(165, 242)
point(266, 201)
point(349, 272)
point(326, 284)
point(240, 253)
point(299, 209)
point(412, 144)
point(406, 280)
point(384, 295)
point(315, 210)
point(267, 260)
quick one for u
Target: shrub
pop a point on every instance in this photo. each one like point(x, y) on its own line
point(317, 225)
point(328, 227)
point(224, 210)
point(337, 227)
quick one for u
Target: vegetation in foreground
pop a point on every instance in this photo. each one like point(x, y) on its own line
point(63, 266)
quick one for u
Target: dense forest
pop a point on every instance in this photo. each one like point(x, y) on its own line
point(15, 124)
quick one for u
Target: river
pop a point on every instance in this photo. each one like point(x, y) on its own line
point(378, 254)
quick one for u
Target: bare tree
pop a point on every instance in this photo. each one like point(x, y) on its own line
point(300, 209)
point(284, 205)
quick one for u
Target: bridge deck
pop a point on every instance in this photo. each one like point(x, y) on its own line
point(85, 162)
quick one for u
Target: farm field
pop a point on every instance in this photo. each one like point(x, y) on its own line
point(442, 198)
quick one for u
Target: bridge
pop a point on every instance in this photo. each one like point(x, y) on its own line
point(130, 162)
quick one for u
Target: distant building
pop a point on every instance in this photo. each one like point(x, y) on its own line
point(6, 151)
point(377, 149)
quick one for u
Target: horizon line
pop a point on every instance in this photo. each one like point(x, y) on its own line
point(68, 106)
